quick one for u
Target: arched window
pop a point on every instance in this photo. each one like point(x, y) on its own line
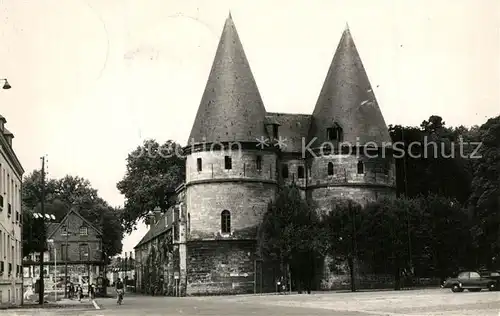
point(225, 222)
point(284, 171)
point(300, 172)
point(330, 168)
point(361, 167)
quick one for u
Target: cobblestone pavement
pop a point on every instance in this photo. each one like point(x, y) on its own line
point(387, 303)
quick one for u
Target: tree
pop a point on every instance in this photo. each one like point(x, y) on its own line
point(290, 234)
point(61, 195)
point(153, 173)
point(341, 228)
point(435, 165)
point(485, 198)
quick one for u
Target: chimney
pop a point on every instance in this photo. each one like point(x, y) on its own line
point(8, 136)
point(2, 123)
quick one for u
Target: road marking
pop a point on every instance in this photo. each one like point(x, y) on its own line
point(95, 305)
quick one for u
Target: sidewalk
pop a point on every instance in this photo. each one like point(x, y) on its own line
point(50, 302)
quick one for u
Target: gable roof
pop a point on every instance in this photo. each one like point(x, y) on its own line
point(73, 211)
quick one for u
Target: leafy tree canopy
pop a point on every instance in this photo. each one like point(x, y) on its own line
point(60, 196)
point(153, 173)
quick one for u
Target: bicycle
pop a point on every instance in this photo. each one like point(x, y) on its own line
point(120, 296)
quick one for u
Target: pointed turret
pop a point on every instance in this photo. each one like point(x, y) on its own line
point(347, 101)
point(231, 108)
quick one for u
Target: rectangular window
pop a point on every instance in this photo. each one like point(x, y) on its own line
point(83, 231)
point(228, 164)
point(84, 252)
point(198, 164)
point(258, 163)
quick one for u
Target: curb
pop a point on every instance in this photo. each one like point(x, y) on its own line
point(95, 305)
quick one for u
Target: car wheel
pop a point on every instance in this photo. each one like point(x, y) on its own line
point(492, 287)
point(456, 288)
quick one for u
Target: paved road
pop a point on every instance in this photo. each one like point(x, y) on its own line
point(402, 303)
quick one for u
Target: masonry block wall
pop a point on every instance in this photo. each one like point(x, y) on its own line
point(244, 164)
point(220, 262)
point(221, 267)
point(377, 178)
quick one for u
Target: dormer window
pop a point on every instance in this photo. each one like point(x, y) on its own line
point(275, 131)
point(361, 167)
point(334, 133)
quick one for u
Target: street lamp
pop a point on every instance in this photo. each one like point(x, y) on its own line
point(51, 241)
point(6, 85)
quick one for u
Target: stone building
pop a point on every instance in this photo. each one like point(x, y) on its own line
point(239, 154)
point(11, 173)
point(75, 254)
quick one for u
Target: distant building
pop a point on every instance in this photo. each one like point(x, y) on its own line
point(11, 173)
point(77, 246)
point(239, 154)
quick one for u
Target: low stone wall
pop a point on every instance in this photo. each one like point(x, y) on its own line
point(373, 281)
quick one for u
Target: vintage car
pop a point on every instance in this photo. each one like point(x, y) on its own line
point(473, 281)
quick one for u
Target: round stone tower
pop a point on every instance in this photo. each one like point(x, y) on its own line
point(230, 179)
point(349, 143)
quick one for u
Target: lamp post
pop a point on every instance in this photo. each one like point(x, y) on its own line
point(6, 85)
point(51, 241)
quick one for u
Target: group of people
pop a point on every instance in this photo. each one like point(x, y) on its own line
point(78, 291)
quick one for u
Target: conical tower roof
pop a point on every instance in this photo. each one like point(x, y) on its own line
point(347, 99)
point(231, 108)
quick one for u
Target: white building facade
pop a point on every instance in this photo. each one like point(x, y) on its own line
point(11, 173)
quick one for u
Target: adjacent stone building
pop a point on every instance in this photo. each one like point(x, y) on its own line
point(238, 156)
point(75, 254)
point(11, 173)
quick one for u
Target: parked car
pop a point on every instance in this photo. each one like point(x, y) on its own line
point(473, 281)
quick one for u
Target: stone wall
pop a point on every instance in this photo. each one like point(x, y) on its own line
point(220, 267)
point(378, 179)
point(246, 201)
point(244, 165)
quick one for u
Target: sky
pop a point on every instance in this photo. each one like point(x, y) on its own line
point(92, 79)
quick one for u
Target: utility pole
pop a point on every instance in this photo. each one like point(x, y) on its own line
point(42, 244)
point(66, 259)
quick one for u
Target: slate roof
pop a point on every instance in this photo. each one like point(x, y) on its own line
point(158, 229)
point(348, 99)
point(231, 108)
point(292, 128)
